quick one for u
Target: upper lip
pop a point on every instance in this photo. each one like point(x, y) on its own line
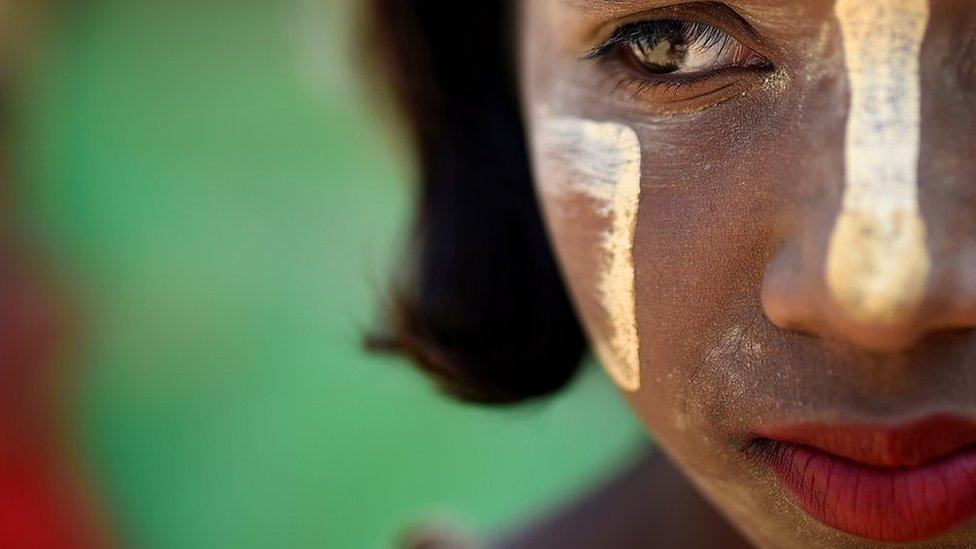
point(882, 445)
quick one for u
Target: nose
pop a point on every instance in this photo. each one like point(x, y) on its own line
point(881, 302)
point(892, 257)
point(878, 276)
point(884, 271)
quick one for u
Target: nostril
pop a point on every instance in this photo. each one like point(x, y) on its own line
point(779, 308)
point(881, 341)
point(795, 297)
point(785, 300)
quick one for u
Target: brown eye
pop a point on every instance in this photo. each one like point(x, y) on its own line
point(682, 47)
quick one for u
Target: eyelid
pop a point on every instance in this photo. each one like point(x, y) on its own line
point(671, 96)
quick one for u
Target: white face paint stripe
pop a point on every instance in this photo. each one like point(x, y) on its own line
point(605, 163)
point(878, 264)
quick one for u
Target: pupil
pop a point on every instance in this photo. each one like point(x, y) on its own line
point(663, 53)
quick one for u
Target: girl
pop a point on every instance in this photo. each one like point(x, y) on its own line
point(762, 212)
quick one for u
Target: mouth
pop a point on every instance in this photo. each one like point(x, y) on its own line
point(898, 483)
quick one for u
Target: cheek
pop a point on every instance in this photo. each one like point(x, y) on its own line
point(589, 177)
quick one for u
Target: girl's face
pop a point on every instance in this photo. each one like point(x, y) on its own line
point(766, 214)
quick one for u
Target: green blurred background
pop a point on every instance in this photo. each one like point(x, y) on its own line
point(208, 177)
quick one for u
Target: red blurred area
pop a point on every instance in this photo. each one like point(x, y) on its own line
point(43, 499)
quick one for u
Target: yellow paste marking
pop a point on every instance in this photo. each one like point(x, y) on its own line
point(605, 166)
point(878, 264)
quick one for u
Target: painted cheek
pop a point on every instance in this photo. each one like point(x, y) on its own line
point(878, 265)
point(598, 165)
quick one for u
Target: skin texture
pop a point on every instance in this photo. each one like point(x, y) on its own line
point(602, 164)
point(745, 179)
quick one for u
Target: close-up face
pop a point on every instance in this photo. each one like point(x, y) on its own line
point(764, 211)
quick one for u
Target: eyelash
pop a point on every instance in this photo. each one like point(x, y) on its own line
point(690, 32)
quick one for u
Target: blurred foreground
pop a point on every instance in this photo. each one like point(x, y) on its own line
point(220, 212)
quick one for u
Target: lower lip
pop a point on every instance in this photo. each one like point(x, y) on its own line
point(883, 504)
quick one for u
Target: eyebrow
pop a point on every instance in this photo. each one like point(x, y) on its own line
point(599, 4)
point(614, 6)
point(591, 4)
point(596, 5)
point(751, 9)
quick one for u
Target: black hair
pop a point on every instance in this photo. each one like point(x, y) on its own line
point(482, 308)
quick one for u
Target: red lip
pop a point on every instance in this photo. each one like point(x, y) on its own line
point(887, 483)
